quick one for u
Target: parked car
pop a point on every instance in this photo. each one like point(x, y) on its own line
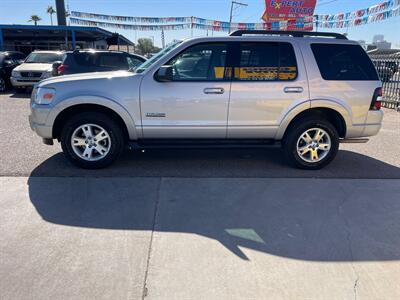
point(84, 61)
point(304, 90)
point(37, 66)
point(386, 69)
point(8, 61)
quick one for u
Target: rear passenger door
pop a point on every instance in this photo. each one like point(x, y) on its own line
point(269, 79)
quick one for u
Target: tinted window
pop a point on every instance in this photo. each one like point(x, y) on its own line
point(133, 62)
point(266, 62)
point(201, 62)
point(343, 62)
point(18, 56)
point(82, 59)
point(113, 61)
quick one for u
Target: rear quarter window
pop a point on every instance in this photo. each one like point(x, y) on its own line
point(80, 59)
point(343, 62)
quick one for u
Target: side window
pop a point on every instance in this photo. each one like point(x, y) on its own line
point(17, 57)
point(343, 62)
point(113, 61)
point(266, 62)
point(203, 62)
point(133, 62)
point(83, 59)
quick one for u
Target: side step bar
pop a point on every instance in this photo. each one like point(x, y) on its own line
point(353, 141)
point(221, 144)
point(201, 144)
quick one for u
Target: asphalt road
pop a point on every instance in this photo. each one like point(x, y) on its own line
point(23, 154)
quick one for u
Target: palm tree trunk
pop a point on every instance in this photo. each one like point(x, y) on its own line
point(35, 23)
point(51, 19)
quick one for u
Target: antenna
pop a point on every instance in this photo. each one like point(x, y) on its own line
point(231, 15)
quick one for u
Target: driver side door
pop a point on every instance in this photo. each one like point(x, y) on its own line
point(194, 103)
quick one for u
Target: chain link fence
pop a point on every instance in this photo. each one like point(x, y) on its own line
point(388, 67)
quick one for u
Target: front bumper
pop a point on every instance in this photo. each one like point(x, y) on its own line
point(38, 120)
point(24, 82)
point(41, 130)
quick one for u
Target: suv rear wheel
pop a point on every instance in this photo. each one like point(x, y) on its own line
point(311, 144)
point(92, 140)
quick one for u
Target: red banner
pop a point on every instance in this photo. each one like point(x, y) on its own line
point(282, 10)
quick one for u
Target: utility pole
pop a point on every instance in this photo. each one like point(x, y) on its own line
point(162, 38)
point(233, 3)
point(60, 8)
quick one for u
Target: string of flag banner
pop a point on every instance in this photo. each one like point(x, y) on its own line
point(216, 25)
point(375, 13)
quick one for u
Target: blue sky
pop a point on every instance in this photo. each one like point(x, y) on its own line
point(18, 12)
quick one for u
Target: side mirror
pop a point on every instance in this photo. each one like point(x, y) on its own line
point(55, 66)
point(164, 74)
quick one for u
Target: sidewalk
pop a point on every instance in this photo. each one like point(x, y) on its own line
point(197, 238)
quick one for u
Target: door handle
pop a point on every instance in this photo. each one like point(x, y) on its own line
point(293, 89)
point(213, 91)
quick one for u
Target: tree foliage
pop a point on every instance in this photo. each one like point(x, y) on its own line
point(145, 46)
point(35, 19)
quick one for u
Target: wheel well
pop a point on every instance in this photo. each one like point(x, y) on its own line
point(79, 108)
point(331, 115)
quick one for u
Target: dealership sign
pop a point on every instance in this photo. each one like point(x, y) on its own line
point(286, 10)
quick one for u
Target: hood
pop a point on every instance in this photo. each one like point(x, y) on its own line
point(34, 67)
point(86, 76)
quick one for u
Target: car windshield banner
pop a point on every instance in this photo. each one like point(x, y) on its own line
point(288, 10)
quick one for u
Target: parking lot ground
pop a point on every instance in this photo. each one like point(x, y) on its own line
point(226, 224)
point(198, 238)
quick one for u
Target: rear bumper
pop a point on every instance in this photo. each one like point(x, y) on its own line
point(373, 123)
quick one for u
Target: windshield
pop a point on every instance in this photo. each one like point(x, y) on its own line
point(144, 66)
point(44, 58)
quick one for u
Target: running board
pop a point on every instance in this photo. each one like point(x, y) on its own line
point(202, 143)
point(353, 141)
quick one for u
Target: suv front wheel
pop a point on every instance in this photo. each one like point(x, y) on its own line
point(311, 144)
point(92, 140)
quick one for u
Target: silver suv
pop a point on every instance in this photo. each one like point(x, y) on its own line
point(306, 91)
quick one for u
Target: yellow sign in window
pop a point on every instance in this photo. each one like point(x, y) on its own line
point(257, 73)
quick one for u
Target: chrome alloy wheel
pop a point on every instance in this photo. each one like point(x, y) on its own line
point(313, 145)
point(90, 142)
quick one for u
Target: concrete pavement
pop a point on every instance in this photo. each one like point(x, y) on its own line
point(188, 238)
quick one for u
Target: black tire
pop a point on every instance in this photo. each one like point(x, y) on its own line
point(296, 131)
point(3, 85)
point(113, 129)
point(19, 90)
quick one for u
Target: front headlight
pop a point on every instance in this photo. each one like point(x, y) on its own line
point(44, 95)
point(15, 73)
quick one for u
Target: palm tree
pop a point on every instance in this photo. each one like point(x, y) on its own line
point(35, 19)
point(51, 11)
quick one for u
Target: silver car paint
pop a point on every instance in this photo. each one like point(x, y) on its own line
point(251, 109)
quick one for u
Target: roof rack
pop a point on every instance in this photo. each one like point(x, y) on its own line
point(292, 33)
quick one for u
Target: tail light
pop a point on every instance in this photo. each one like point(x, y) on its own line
point(61, 69)
point(376, 102)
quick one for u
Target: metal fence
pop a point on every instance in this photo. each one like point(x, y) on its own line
point(388, 67)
